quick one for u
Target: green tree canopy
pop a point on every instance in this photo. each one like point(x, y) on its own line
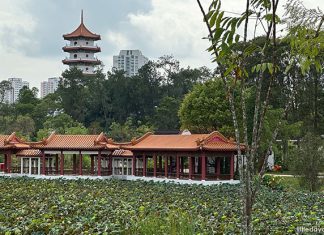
point(206, 109)
point(61, 124)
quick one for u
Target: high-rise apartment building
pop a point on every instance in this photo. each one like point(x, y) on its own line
point(12, 94)
point(49, 86)
point(130, 61)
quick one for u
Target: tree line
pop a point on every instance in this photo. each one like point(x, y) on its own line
point(121, 106)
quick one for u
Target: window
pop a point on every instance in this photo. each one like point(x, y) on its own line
point(87, 55)
point(87, 69)
point(75, 56)
point(87, 43)
point(75, 43)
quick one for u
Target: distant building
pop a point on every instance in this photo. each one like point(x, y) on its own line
point(11, 95)
point(49, 86)
point(130, 61)
point(82, 49)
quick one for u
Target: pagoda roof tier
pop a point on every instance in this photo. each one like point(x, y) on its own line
point(81, 32)
point(81, 48)
point(81, 61)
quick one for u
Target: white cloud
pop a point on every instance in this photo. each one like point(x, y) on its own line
point(16, 26)
point(168, 27)
point(174, 27)
point(119, 40)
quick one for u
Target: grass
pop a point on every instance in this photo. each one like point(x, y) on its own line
point(292, 184)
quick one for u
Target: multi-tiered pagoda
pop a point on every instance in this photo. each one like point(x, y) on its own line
point(82, 49)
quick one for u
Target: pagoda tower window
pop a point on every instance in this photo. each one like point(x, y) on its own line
point(75, 43)
point(87, 55)
point(75, 56)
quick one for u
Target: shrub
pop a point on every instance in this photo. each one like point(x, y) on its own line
point(308, 161)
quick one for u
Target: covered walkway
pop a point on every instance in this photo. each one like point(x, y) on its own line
point(201, 157)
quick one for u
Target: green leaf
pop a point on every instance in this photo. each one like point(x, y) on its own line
point(270, 67)
point(237, 38)
point(219, 19)
point(264, 67)
point(258, 67)
point(213, 19)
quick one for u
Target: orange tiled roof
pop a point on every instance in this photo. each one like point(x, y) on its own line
point(122, 153)
point(217, 142)
point(29, 153)
point(12, 141)
point(2, 140)
point(82, 31)
point(72, 142)
point(167, 142)
point(193, 142)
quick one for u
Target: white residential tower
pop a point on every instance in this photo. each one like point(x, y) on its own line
point(49, 86)
point(12, 94)
point(130, 61)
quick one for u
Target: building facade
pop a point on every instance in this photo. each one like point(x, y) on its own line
point(130, 61)
point(199, 157)
point(49, 86)
point(82, 49)
point(12, 94)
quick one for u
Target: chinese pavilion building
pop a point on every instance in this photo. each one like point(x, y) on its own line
point(182, 157)
point(82, 49)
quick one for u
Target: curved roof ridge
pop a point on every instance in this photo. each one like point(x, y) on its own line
point(215, 134)
point(136, 141)
point(82, 31)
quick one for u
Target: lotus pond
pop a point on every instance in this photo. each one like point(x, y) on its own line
point(31, 206)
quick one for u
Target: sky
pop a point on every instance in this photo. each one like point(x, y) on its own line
point(31, 32)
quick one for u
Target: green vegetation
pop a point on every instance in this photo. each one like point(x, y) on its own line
point(30, 206)
point(308, 161)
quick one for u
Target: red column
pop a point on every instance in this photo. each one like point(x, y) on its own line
point(154, 163)
point(160, 165)
point(134, 165)
point(80, 163)
point(232, 167)
point(5, 163)
point(203, 166)
point(92, 164)
point(166, 166)
point(43, 164)
point(62, 163)
point(9, 162)
point(182, 159)
point(190, 167)
point(74, 164)
point(218, 162)
point(178, 166)
point(56, 163)
point(99, 163)
point(144, 165)
point(110, 164)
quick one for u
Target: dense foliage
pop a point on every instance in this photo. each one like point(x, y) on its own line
point(105, 102)
point(311, 151)
point(31, 206)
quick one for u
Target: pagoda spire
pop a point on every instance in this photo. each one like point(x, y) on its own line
point(82, 16)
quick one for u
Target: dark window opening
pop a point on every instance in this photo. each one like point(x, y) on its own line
point(75, 56)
